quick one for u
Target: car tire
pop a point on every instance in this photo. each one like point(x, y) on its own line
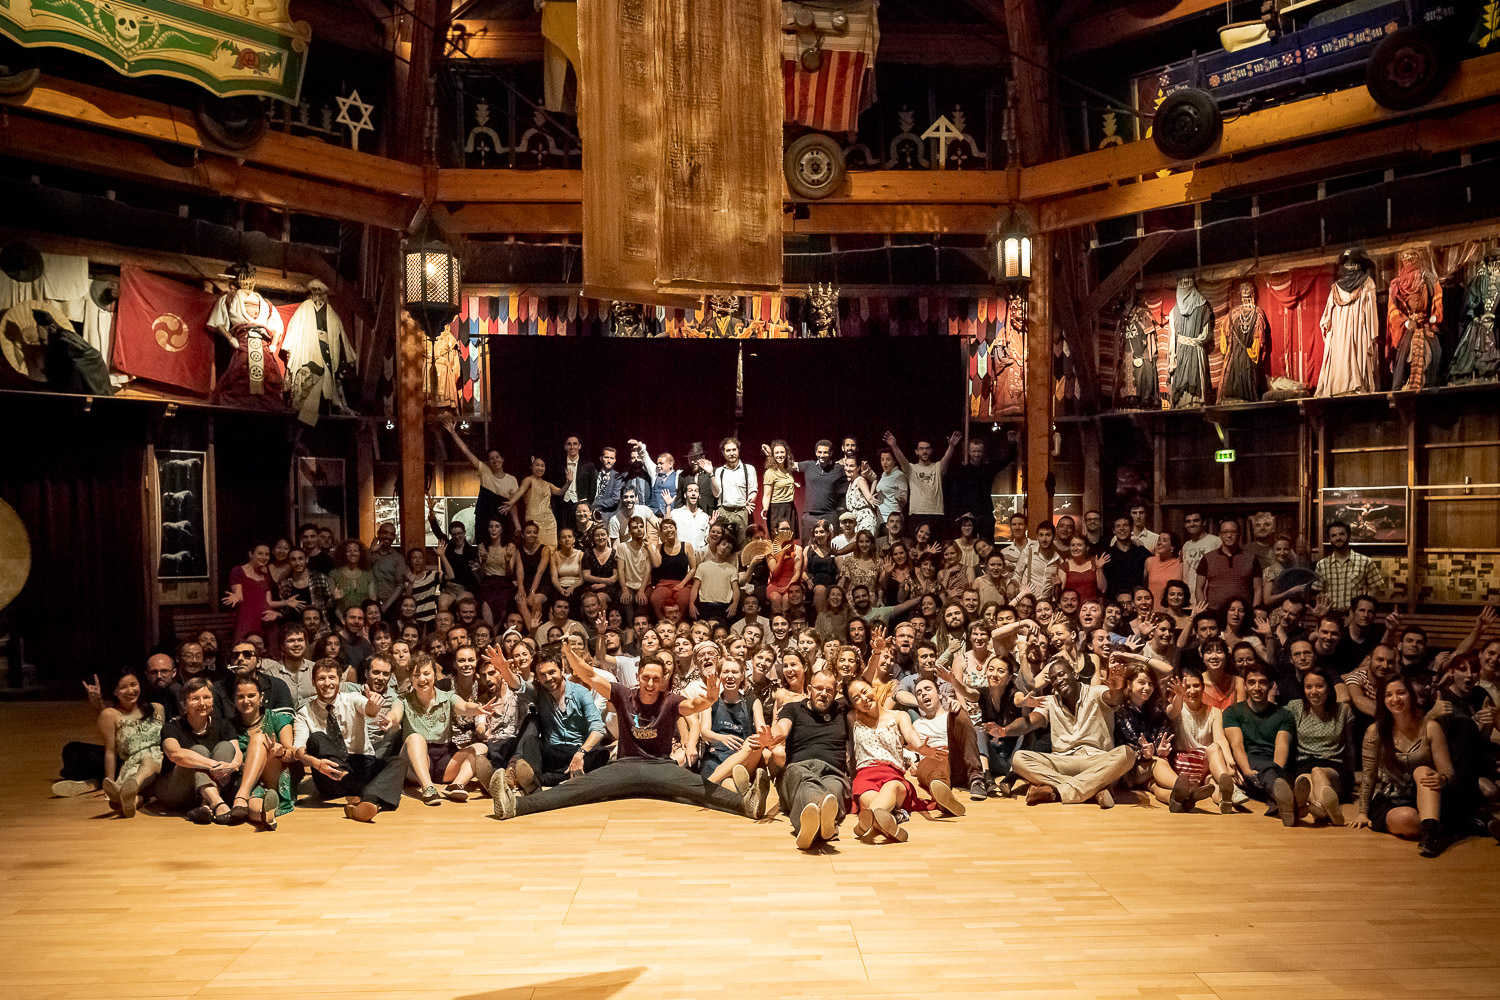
point(232, 123)
point(814, 166)
point(1187, 123)
point(20, 68)
point(1408, 68)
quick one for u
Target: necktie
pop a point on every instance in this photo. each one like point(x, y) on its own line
point(332, 728)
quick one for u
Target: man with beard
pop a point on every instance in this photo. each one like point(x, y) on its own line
point(569, 739)
point(826, 488)
point(643, 767)
point(815, 786)
point(1344, 574)
point(245, 664)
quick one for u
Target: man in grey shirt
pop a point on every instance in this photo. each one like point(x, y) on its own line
point(388, 567)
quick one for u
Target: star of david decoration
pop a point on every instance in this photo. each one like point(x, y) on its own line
point(358, 122)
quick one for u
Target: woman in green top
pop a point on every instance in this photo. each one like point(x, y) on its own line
point(351, 580)
point(426, 716)
point(265, 790)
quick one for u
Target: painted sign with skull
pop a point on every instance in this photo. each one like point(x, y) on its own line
point(248, 48)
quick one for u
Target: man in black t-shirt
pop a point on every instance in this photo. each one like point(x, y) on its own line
point(825, 491)
point(643, 767)
point(815, 787)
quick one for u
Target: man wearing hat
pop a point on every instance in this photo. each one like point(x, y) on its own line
point(843, 542)
point(694, 472)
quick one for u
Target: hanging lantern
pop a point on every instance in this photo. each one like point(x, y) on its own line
point(431, 284)
point(1012, 249)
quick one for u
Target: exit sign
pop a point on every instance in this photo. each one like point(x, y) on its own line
point(1224, 455)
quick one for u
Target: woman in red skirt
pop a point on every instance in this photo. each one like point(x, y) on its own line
point(880, 786)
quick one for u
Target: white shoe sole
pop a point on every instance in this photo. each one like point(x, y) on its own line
point(808, 827)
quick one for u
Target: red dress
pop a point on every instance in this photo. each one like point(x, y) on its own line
point(248, 613)
point(1086, 583)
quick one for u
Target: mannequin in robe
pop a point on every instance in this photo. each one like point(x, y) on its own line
point(317, 347)
point(1138, 387)
point(1243, 338)
point(1477, 356)
point(1351, 330)
point(1192, 323)
point(253, 328)
point(1414, 310)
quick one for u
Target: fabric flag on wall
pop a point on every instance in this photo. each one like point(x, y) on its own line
point(832, 96)
point(159, 331)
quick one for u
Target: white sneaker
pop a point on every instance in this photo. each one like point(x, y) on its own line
point(69, 789)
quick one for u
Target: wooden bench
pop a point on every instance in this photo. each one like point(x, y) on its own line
point(188, 621)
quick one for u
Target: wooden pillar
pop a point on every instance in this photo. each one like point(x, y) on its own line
point(364, 477)
point(1039, 482)
point(411, 427)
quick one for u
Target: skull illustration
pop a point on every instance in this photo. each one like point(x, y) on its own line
point(127, 30)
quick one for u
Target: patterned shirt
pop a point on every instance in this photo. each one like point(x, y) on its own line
point(1343, 580)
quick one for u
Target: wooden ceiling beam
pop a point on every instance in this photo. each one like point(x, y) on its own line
point(514, 41)
point(119, 156)
point(146, 119)
point(1405, 140)
point(1113, 26)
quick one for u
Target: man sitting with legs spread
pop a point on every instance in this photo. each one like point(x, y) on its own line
point(1084, 761)
point(643, 767)
point(814, 788)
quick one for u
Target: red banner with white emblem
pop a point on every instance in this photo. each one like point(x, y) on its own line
point(160, 331)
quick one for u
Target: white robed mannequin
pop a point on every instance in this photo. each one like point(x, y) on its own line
point(1351, 331)
point(316, 346)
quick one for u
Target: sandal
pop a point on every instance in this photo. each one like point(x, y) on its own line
point(239, 813)
point(222, 818)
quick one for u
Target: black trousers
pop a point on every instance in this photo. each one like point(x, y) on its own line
point(1267, 773)
point(374, 779)
point(635, 778)
point(551, 762)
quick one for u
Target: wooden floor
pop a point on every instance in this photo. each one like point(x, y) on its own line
point(645, 899)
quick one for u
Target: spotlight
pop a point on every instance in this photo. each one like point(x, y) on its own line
point(463, 425)
point(390, 425)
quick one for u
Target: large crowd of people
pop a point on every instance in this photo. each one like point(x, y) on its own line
point(632, 628)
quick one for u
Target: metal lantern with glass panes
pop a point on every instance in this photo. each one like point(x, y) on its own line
point(431, 294)
point(1013, 251)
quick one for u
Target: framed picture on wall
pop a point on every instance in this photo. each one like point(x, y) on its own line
point(182, 515)
point(1070, 504)
point(321, 496)
point(1376, 515)
point(1006, 504)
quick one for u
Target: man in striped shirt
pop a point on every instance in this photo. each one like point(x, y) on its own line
point(1345, 574)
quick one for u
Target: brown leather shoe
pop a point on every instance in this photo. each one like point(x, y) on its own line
point(1037, 794)
point(363, 811)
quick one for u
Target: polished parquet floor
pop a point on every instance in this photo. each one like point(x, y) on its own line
point(646, 899)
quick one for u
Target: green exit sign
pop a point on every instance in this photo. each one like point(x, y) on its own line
point(1224, 455)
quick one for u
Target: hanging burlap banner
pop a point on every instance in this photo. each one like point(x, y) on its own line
point(680, 115)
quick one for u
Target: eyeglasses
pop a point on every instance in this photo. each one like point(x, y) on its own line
point(243, 654)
